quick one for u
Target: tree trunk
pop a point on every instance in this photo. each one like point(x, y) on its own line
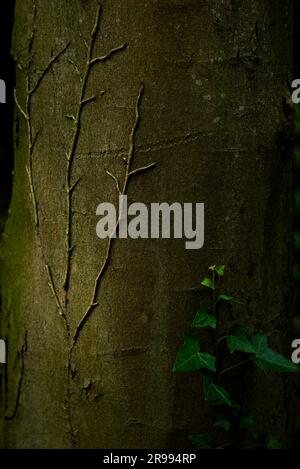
point(93, 326)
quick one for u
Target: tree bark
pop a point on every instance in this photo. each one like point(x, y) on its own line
point(92, 329)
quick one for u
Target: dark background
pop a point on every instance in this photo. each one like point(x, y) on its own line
point(297, 171)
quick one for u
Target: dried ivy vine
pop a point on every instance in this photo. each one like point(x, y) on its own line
point(25, 109)
point(90, 62)
point(62, 304)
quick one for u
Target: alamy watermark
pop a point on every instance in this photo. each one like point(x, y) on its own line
point(296, 353)
point(296, 92)
point(296, 100)
point(2, 92)
point(163, 220)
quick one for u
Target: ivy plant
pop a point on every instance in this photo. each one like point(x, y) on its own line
point(253, 348)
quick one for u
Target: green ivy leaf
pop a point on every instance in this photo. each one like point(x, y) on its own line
point(236, 407)
point(215, 392)
point(267, 359)
point(223, 422)
point(297, 199)
point(272, 443)
point(260, 342)
point(240, 331)
point(241, 344)
point(189, 357)
point(274, 361)
point(204, 319)
point(231, 299)
point(248, 422)
point(260, 364)
point(220, 270)
point(297, 240)
point(202, 441)
point(207, 282)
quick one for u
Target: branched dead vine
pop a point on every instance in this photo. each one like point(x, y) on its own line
point(90, 61)
point(32, 139)
point(25, 110)
point(26, 113)
point(129, 172)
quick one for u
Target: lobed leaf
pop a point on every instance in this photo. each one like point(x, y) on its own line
point(241, 344)
point(215, 392)
point(204, 319)
point(223, 422)
point(202, 441)
point(229, 298)
point(267, 359)
point(220, 270)
point(248, 422)
point(272, 443)
point(207, 282)
point(189, 357)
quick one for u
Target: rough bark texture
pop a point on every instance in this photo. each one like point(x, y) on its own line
point(212, 118)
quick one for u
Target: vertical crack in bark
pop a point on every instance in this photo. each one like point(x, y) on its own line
point(68, 409)
point(90, 61)
point(21, 356)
